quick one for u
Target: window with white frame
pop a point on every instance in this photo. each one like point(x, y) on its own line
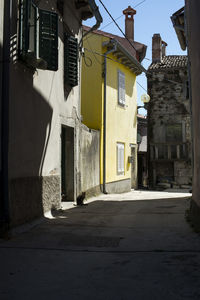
point(120, 158)
point(121, 88)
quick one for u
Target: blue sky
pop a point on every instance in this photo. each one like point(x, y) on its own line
point(153, 16)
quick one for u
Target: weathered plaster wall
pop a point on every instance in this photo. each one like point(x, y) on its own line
point(168, 105)
point(193, 24)
point(90, 161)
point(40, 104)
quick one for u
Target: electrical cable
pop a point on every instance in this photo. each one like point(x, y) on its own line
point(117, 25)
point(96, 53)
point(147, 72)
point(141, 86)
point(89, 59)
point(122, 15)
point(114, 20)
point(99, 62)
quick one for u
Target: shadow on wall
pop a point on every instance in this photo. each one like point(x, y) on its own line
point(30, 127)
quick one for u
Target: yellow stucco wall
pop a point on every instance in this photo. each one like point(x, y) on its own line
point(91, 82)
point(121, 120)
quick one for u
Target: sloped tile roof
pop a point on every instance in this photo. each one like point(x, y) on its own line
point(140, 48)
point(170, 62)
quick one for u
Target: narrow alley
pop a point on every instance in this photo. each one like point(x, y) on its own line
point(136, 245)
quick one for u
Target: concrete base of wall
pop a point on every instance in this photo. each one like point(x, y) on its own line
point(117, 187)
point(94, 191)
point(193, 216)
point(32, 196)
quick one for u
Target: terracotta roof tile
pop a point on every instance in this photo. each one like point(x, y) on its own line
point(170, 62)
point(140, 48)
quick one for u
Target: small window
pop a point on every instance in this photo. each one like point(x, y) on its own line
point(120, 158)
point(71, 60)
point(38, 36)
point(121, 88)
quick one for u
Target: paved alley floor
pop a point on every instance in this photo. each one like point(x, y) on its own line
point(133, 246)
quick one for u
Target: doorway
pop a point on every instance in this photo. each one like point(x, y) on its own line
point(67, 163)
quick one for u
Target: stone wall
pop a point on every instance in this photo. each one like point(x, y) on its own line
point(169, 106)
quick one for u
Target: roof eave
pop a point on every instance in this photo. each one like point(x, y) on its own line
point(166, 69)
point(179, 28)
point(125, 57)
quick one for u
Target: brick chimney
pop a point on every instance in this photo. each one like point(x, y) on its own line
point(158, 48)
point(129, 22)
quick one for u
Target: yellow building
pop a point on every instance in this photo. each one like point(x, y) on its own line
point(109, 102)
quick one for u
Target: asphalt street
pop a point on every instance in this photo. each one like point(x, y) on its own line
point(133, 246)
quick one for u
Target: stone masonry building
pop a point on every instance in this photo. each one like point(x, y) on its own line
point(169, 119)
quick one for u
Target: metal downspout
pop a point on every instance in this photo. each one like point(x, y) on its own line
point(104, 116)
point(97, 16)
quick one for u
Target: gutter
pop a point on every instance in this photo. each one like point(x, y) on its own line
point(135, 62)
point(97, 15)
point(104, 115)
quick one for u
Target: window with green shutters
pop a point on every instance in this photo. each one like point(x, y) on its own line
point(71, 60)
point(38, 36)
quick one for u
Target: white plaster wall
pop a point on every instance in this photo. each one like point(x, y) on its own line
point(26, 115)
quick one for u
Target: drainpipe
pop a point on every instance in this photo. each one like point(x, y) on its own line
point(5, 114)
point(97, 16)
point(104, 115)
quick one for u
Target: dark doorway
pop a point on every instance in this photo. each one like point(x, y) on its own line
point(67, 163)
point(140, 170)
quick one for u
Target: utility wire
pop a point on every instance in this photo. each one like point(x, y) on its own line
point(147, 72)
point(122, 15)
point(117, 25)
point(114, 20)
point(99, 62)
point(141, 86)
point(96, 53)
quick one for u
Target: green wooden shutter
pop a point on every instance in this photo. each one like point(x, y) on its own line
point(71, 60)
point(24, 11)
point(48, 38)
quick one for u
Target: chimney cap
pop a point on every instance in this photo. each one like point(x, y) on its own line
point(129, 11)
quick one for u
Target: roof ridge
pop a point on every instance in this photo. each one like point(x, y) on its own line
point(111, 35)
